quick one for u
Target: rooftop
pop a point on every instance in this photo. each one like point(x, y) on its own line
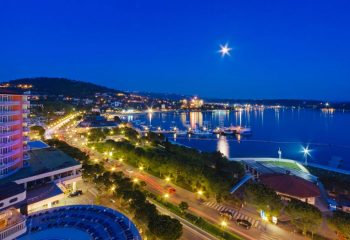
point(80, 222)
point(271, 166)
point(42, 161)
point(10, 189)
point(290, 185)
point(43, 192)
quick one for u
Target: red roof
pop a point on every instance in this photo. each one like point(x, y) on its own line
point(290, 185)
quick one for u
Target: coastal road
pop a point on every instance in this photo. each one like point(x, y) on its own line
point(158, 186)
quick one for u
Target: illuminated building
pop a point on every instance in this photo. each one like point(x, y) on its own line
point(194, 103)
point(14, 109)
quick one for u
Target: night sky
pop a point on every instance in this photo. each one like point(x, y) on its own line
point(281, 49)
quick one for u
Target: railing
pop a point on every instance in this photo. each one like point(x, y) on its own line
point(10, 113)
point(9, 103)
point(10, 153)
point(10, 123)
point(10, 133)
point(10, 143)
point(11, 163)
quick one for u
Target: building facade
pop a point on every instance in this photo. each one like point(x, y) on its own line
point(14, 110)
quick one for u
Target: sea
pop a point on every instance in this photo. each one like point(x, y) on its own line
point(326, 133)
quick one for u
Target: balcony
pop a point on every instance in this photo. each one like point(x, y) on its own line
point(10, 133)
point(10, 153)
point(11, 143)
point(27, 111)
point(9, 113)
point(11, 163)
point(9, 103)
point(10, 123)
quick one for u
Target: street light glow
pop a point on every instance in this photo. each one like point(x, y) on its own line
point(223, 223)
point(306, 151)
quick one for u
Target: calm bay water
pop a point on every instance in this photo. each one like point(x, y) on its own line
point(326, 133)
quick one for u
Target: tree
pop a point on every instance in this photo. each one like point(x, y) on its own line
point(38, 131)
point(341, 222)
point(264, 198)
point(183, 206)
point(145, 212)
point(303, 215)
point(165, 227)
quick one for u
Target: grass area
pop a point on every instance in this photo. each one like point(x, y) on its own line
point(288, 165)
point(198, 221)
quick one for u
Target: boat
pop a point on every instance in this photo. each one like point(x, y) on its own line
point(244, 131)
point(198, 132)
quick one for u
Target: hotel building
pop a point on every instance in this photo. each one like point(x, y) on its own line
point(14, 110)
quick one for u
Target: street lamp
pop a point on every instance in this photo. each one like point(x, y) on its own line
point(200, 192)
point(167, 179)
point(306, 152)
point(166, 196)
point(135, 180)
point(223, 223)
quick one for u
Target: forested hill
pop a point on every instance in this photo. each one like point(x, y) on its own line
point(62, 86)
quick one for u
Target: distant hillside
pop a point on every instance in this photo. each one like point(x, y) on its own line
point(63, 86)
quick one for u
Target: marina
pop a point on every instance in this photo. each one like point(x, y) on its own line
point(257, 133)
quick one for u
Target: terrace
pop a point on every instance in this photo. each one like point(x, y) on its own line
point(42, 161)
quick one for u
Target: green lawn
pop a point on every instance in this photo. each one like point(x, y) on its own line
point(288, 165)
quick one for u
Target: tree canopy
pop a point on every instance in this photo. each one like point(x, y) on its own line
point(341, 222)
point(303, 215)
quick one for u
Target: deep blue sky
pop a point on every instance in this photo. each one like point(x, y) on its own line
point(282, 49)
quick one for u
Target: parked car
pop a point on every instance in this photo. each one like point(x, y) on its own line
point(76, 193)
point(227, 214)
point(244, 223)
point(170, 190)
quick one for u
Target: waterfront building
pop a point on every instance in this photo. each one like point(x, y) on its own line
point(194, 103)
point(14, 110)
point(287, 178)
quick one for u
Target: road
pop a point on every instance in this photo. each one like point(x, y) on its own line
point(265, 231)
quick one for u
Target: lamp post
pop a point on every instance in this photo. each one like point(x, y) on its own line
point(306, 152)
point(279, 153)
